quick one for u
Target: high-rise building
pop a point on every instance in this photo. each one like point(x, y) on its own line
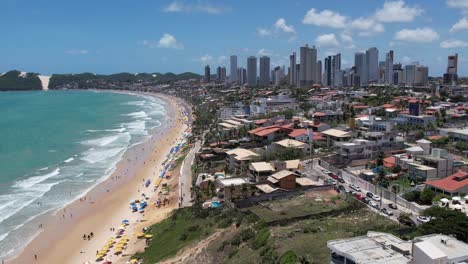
point(252, 71)
point(278, 73)
point(221, 74)
point(336, 69)
point(292, 69)
point(388, 76)
point(398, 74)
point(451, 76)
point(308, 61)
point(264, 71)
point(416, 74)
point(361, 68)
point(207, 74)
point(241, 76)
point(327, 72)
point(372, 63)
point(298, 71)
point(233, 69)
point(318, 78)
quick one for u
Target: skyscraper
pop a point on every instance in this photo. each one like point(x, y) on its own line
point(233, 69)
point(252, 71)
point(264, 71)
point(292, 69)
point(221, 74)
point(241, 76)
point(327, 80)
point(389, 68)
point(318, 78)
point(207, 74)
point(372, 62)
point(361, 68)
point(335, 70)
point(451, 76)
point(308, 63)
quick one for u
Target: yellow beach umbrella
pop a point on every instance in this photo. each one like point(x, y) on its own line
point(99, 256)
point(148, 236)
point(133, 261)
point(118, 249)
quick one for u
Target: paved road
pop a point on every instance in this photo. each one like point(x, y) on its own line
point(185, 179)
point(383, 203)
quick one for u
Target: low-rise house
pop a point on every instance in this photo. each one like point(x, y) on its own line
point(284, 179)
point(294, 144)
point(234, 188)
point(460, 135)
point(453, 185)
point(435, 166)
point(238, 159)
point(270, 133)
point(407, 119)
point(259, 171)
point(358, 149)
point(335, 135)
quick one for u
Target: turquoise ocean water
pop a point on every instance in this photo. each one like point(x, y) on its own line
point(55, 145)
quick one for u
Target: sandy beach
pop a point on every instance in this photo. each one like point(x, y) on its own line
point(60, 239)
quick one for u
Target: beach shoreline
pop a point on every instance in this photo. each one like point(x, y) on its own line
point(103, 207)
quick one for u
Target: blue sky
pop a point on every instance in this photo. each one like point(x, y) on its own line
point(57, 36)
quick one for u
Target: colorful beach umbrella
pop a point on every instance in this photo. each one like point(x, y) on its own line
point(148, 236)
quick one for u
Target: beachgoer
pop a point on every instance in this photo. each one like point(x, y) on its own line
point(35, 257)
point(91, 234)
point(89, 237)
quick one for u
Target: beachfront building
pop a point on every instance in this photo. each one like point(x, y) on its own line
point(238, 159)
point(233, 188)
point(383, 248)
point(270, 133)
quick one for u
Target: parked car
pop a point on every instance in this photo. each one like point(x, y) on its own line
point(373, 204)
point(369, 194)
point(341, 180)
point(359, 196)
point(366, 200)
point(341, 188)
point(330, 181)
point(327, 172)
point(406, 221)
point(355, 187)
point(376, 197)
point(423, 219)
point(387, 211)
point(393, 206)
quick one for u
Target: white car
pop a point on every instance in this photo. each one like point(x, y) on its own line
point(376, 197)
point(423, 219)
point(326, 171)
point(355, 187)
point(373, 204)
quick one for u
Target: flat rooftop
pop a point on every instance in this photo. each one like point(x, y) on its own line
point(451, 247)
point(374, 248)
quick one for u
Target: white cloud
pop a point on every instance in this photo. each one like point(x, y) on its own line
point(222, 59)
point(77, 52)
point(397, 11)
point(327, 40)
point(462, 24)
point(367, 26)
point(281, 25)
point(458, 3)
point(182, 6)
point(346, 37)
point(264, 52)
point(263, 32)
point(278, 29)
point(406, 60)
point(326, 18)
point(453, 43)
point(420, 35)
point(207, 58)
point(169, 41)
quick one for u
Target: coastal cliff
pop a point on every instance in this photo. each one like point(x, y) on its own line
point(20, 81)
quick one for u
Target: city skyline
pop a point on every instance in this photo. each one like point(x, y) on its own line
point(130, 36)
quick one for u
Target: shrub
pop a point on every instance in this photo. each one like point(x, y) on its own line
point(261, 238)
point(183, 236)
point(193, 228)
point(288, 257)
point(426, 196)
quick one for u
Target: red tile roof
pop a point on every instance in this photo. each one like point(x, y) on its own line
point(389, 162)
point(388, 106)
point(267, 131)
point(261, 121)
point(451, 183)
point(298, 132)
point(435, 137)
point(360, 106)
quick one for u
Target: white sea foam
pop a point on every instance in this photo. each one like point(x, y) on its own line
point(93, 156)
point(79, 175)
point(139, 114)
point(101, 141)
point(138, 103)
point(2, 236)
point(69, 160)
point(30, 182)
